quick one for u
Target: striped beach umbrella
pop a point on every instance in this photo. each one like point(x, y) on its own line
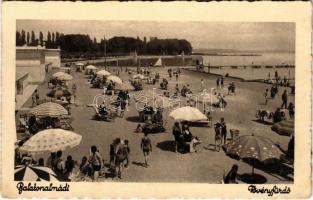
point(51, 140)
point(115, 79)
point(34, 173)
point(124, 87)
point(49, 109)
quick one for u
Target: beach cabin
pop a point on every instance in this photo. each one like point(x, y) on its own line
point(53, 57)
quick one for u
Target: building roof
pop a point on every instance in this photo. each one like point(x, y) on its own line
point(29, 47)
point(197, 57)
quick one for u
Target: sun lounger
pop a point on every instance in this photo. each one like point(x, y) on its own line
point(65, 124)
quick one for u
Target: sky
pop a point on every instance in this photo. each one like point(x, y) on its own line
point(259, 36)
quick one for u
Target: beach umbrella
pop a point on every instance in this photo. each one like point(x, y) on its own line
point(124, 87)
point(91, 67)
point(103, 73)
point(206, 97)
point(34, 173)
point(139, 76)
point(187, 113)
point(115, 79)
point(65, 77)
point(62, 76)
point(57, 74)
point(80, 64)
point(51, 140)
point(254, 147)
point(49, 109)
point(60, 92)
point(285, 128)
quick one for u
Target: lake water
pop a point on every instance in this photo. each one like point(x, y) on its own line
point(249, 73)
point(262, 59)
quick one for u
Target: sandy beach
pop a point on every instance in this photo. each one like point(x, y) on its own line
point(205, 166)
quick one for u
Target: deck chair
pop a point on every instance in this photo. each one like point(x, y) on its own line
point(66, 126)
point(97, 111)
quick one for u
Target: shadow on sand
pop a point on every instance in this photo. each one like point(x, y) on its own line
point(274, 167)
point(167, 145)
point(263, 122)
point(133, 119)
point(140, 164)
point(211, 147)
point(253, 178)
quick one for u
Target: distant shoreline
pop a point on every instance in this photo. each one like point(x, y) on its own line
point(226, 54)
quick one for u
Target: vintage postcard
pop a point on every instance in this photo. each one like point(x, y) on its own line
point(156, 100)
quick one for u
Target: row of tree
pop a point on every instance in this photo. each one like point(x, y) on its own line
point(30, 39)
point(82, 44)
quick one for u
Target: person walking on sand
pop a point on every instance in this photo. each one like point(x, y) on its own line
point(222, 81)
point(223, 130)
point(217, 138)
point(266, 95)
point(284, 98)
point(218, 83)
point(146, 147)
point(202, 85)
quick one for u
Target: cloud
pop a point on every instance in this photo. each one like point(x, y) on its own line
point(273, 36)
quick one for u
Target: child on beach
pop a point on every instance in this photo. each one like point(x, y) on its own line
point(266, 95)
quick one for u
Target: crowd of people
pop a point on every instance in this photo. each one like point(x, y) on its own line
point(94, 165)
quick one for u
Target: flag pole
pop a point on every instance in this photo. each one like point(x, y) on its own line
point(105, 53)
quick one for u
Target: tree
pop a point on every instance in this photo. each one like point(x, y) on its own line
point(57, 39)
point(23, 38)
point(33, 39)
point(28, 39)
point(76, 43)
point(53, 40)
point(18, 39)
point(49, 42)
point(41, 38)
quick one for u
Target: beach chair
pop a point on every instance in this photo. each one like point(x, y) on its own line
point(234, 133)
point(65, 123)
